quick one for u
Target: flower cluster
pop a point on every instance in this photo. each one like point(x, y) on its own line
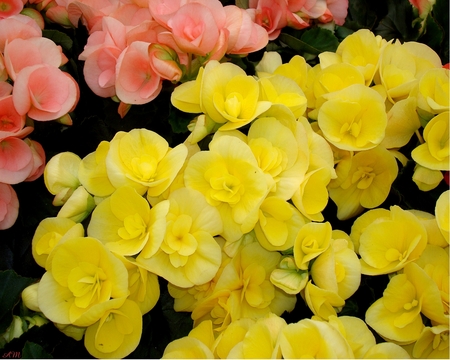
point(237, 229)
point(32, 87)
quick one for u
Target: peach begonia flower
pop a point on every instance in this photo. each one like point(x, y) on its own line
point(310, 338)
point(11, 122)
point(142, 158)
point(423, 6)
point(189, 255)
point(64, 299)
point(89, 12)
point(434, 153)
point(245, 36)
point(9, 206)
point(126, 225)
point(397, 315)
point(20, 53)
point(338, 9)
point(16, 160)
point(389, 243)
point(44, 92)
point(165, 62)
point(49, 233)
point(38, 159)
point(116, 334)
point(18, 26)
point(229, 177)
point(271, 15)
point(136, 81)
point(367, 183)
point(10, 7)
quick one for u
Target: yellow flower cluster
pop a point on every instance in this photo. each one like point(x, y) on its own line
point(237, 229)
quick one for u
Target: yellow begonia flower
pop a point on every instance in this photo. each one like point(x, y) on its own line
point(186, 96)
point(386, 350)
point(259, 342)
point(434, 235)
point(142, 284)
point(353, 118)
point(288, 277)
point(278, 225)
point(388, 244)
point(243, 289)
point(142, 159)
point(402, 122)
point(397, 315)
point(279, 89)
point(229, 177)
point(116, 334)
point(361, 223)
point(270, 61)
point(196, 345)
point(29, 297)
point(280, 147)
point(337, 269)
point(189, 255)
point(433, 91)
point(362, 50)
point(125, 223)
point(322, 302)
point(367, 184)
point(442, 212)
point(78, 206)
point(356, 332)
point(435, 262)
point(433, 343)
point(312, 240)
point(82, 282)
point(402, 65)
point(61, 176)
point(229, 96)
point(435, 152)
point(313, 339)
point(49, 233)
point(426, 179)
point(92, 172)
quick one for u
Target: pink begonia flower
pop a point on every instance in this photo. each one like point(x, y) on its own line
point(3, 73)
point(9, 206)
point(44, 92)
point(11, 122)
point(90, 12)
point(338, 9)
point(16, 160)
point(197, 28)
point(20, 53)
point(424, 6)
point(163, 60)
point(136, 81)
point(10, 7)
point(270, 14)
point(245, 35)
point(38, 159)
point(18, 26)
point(131, 14)
point(5, 89)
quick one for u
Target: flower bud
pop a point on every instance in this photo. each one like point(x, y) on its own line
point(29, 297)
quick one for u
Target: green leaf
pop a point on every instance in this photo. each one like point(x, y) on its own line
point(34, 351)
point(11, 286)
point(361, 15)
point(398, 23)
point(243, 4)
point(313, 41)
point(440, 14)
point(58, 38)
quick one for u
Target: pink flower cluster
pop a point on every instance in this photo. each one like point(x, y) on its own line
point(134, 45)
point(32, 87)
point(274, 15)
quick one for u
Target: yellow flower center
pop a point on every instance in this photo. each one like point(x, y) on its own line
point(233, 104)
point(395, 255)
point(133, 227)
point(47, 242)
point(410, 305)
point(270, 159)
point(310, 245)
point(352, 128)
point(440, 341)
point(85, 282)
point(144, 167)
point(363, 176)
point(226, 188)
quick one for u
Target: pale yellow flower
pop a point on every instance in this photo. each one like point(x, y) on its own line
point(433, 91)
point(322, 302)
point(386, 350)
point(116, 334)
point(78, 206)
point(433, 343)
point(442, 212)
point(426, 179)
point(435, 152)
point(288, 277)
